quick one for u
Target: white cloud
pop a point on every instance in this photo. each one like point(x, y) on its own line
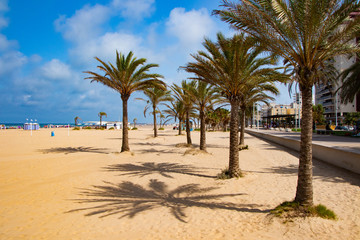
point(6, 44)
point(3, 8)
point(55, 69)
point(11, 61)
point(134, 9)
point(190, 27)
point(85, 24)
point(4, 5)
point(104, 47)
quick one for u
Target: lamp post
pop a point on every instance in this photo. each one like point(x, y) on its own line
point(257, 116)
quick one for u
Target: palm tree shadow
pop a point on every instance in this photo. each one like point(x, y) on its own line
point(68, 150)
point(129, 199)
point(147, 168)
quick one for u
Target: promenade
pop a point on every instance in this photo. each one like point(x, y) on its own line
point(337, 150)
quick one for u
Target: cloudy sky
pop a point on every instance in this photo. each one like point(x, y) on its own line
point(46, 45)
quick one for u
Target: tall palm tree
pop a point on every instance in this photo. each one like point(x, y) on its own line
point(181, 93)
point(256, 91)
point(306, 34)
point(127, 76)
point(350, 82)
point(101, 115)
point(156, 97)
point(176, 111)
point(134, 121)
point(204, 96)
point(76, 119)
point(228, 64)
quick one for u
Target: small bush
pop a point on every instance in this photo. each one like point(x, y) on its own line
point(197, 129)
point(76, 128)
point(321, 211)
point(112, 128)
point(296, 129)
point(294, 209)
point(243, 147)
point(135, 128)
point(88, 127)
point(224, 174)
point(161, 128)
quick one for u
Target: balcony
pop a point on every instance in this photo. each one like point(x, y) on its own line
point(328, 104)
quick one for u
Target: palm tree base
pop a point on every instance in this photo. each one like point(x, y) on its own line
point(290, 210)
point(243, 147)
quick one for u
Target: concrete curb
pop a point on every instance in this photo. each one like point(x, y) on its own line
point(340, 158)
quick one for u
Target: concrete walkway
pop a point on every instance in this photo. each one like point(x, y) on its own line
point(337, 150)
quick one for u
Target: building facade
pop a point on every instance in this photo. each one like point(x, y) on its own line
point(327, 96)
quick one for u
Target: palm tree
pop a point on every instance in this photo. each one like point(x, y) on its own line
point(101, 114)
point(203, 95)
point(306, 34)
point(318, 114)
point(350, 82)
point(127, 76)
point(255, 91)
point(224, 117)
point(76, 119)
point(182, 95)
point(157, 96)
point(228, 65)
point(134, 121)
point(176, 111)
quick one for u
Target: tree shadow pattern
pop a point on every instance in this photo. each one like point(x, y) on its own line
point(147, 168)
point(129, 199)
point(68, 150)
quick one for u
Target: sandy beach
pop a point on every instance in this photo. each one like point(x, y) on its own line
point(81, 187)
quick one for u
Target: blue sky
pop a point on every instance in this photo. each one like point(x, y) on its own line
point(46, 45)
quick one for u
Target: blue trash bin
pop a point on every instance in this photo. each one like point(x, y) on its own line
point(52, 134)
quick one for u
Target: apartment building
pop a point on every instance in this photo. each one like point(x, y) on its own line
point(326, 95)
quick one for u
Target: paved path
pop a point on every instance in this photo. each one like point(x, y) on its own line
point(351, 144)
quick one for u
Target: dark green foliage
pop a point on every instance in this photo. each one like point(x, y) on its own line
point(76, 128)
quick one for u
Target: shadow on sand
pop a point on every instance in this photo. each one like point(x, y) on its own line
point(147, 168)
point(68, 150)
point(321, 170)
point(128, 199)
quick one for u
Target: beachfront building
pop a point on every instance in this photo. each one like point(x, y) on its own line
point(326, 95)
point(280, 115)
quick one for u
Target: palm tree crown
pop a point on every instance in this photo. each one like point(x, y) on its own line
point(129, 74)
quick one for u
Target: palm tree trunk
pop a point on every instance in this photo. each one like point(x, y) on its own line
point(234, 169)
point(304, 190)
point(202, 131)
point(242, 127)
point(100, 120)
point(155, 128)
point(188, 136)
point(125, 135)
point(180, 121)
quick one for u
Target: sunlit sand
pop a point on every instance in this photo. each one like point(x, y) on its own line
point(81, 187)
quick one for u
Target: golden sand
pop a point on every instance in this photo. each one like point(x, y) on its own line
point(81, 187)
